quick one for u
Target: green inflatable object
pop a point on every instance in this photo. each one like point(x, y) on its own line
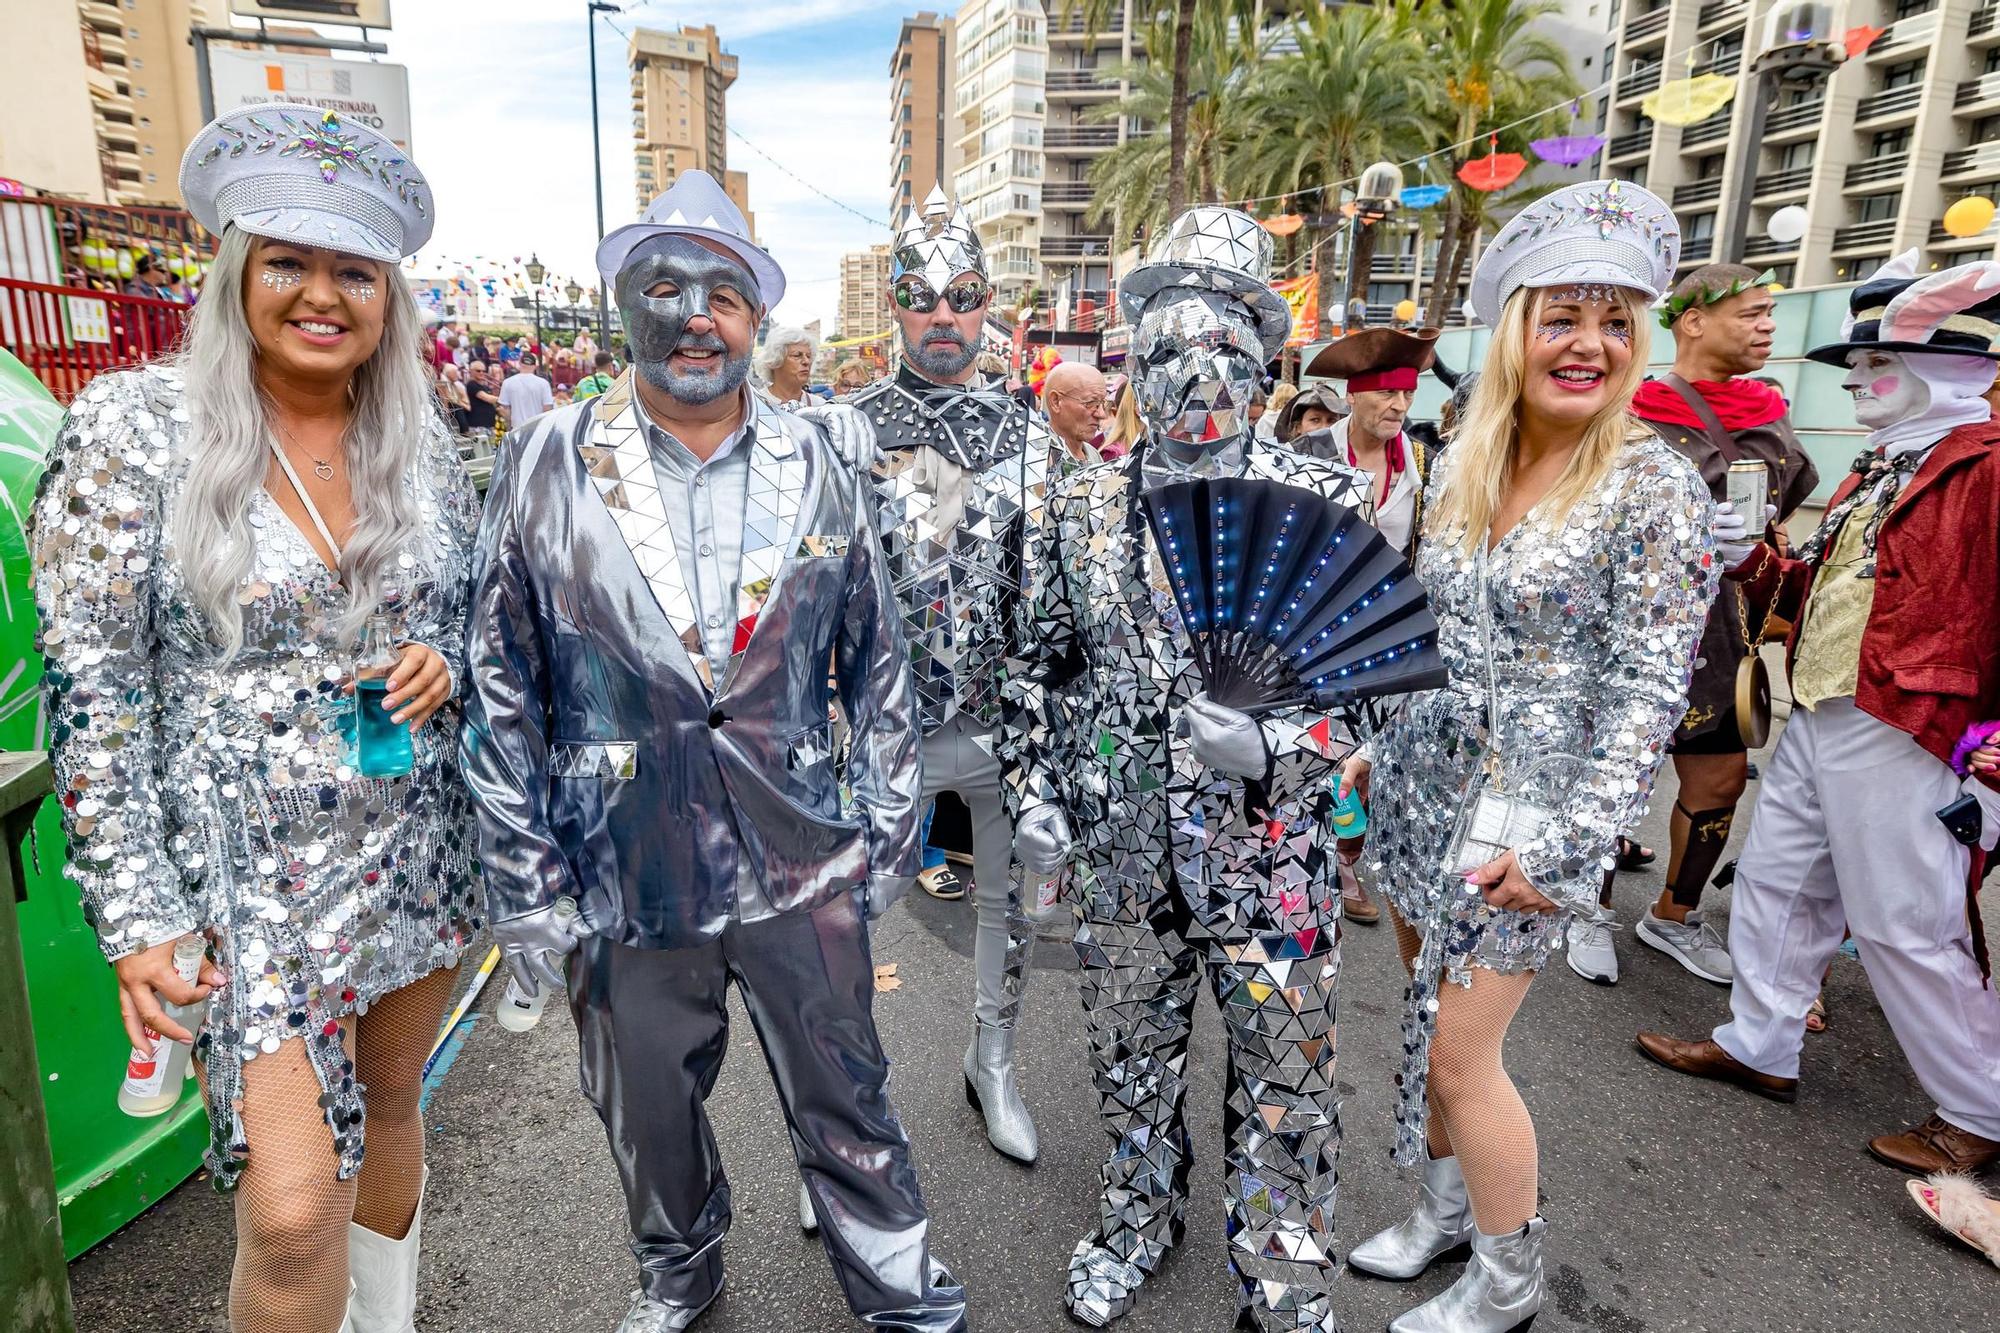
point(109, 1167)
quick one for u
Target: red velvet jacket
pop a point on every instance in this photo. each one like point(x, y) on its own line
point(1930, 654)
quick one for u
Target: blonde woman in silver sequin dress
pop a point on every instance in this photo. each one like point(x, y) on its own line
point(209, 538)
point(1593, 542)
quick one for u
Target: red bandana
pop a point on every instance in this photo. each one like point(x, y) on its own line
point(1738, 403)
point(1399, 377)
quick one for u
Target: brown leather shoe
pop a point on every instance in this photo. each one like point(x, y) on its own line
point(1355, 904)
point(1704, 1059)
point(1936, 1145)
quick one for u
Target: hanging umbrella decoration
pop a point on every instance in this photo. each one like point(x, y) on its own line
point(1495, 171)
point(1860, 39)
point(1688, 101)
point(1423, 196)
point(1568, 150)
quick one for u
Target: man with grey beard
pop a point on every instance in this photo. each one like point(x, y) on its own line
point(662, 576)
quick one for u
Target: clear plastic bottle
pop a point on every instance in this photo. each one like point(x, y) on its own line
point(1045, 903)
point(518, 1012)
point(153, 1078)
point(381, 743)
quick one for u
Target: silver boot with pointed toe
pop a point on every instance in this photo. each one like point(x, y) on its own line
point(1441, 1224)
point(1500, 1290)
point(808, 1219)
point(990, 1088)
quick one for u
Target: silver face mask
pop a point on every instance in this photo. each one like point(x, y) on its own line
point(656, 326)
point(1200, 361)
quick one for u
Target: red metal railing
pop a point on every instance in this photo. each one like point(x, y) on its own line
point(65, 335)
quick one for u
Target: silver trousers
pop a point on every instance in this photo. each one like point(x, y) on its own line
point(652, 1027)
point(958, 757)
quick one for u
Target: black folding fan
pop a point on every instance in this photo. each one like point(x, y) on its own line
point(1289, 598)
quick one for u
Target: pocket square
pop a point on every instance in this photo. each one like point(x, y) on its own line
point(818, 547)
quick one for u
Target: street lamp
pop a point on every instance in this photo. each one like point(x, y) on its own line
point(536, 272)
point(591, 9)
point(574, 291)
point(1801, 50)
point(1374, 200)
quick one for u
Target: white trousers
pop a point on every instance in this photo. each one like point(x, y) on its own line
point(1845, 834)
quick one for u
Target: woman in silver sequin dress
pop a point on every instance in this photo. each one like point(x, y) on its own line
point(1591, 541)
point(209, 538)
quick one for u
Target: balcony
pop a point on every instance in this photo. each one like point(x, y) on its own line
point(1981, 158)
point(1865, 235)
point(1636, 144)
point(1761, 246)
point(1066, 194)
point(1075, 247)
point(1698, 192)
point(1076, 85)
point(1916, 30)
point(1726, 62)
point(1638, 82)
point(1697, 249)
point(1792, 119)
point(1876, 170)
point(1080, 138)
point(1393, 266)
point(1651, 23)
point(1985, 27)
point(1712, 130)
point(1977, 94)
point(1893, 104)
point(1722, 14)
point(1792, 180)
point(1071, 28)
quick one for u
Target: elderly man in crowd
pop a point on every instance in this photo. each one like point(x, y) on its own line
point(1077, 405)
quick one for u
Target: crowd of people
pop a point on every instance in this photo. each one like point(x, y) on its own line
point(681, 689)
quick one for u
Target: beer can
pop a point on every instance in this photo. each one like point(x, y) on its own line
point(1749, 490)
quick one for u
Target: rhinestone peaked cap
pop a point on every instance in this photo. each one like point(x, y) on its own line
point(938, 245)
point(1598, 234)
point(297, 173)
point(1212, 249)
point(694, 205)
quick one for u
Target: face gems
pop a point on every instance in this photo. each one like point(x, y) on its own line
point(1554, 330)
point(1618, 333)
point(357, 290)
point(1590, 293)
point(280, 280)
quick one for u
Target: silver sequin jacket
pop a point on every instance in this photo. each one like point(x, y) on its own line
point(222, 797)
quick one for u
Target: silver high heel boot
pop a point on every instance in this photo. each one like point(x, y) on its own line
point(1500, 1290)
point(1441, 1224)
point(990, 1090)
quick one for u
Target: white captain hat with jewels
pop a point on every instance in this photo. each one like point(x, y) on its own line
point(1603, 233)
point(301, 174)
point(694, 205)
point(1210, 248)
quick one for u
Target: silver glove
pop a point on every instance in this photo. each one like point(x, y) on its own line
point(1042, 841)
point(1226, 740)
point(852, 434)
point(535, 943)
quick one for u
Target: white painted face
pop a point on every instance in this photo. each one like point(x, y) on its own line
point(1885, 389)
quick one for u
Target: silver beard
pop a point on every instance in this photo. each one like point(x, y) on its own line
point(696, 389)
point(943, 359)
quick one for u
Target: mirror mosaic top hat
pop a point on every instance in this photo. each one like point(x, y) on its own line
point(1953, 312)
point(297, 173)
point(937, 245)
point(1213, 249)
point(694, 205)
point(1604, 233)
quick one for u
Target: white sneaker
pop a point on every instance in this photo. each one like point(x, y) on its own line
point(1695, 945)
point(1590, 953)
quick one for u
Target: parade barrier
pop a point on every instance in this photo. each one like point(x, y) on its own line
point(67, 335)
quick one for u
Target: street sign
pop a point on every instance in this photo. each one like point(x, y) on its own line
point(362, 92)
point(89, 319)
point(353, 13)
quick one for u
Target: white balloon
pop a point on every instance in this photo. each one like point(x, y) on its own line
point(1467, 310)
point(1788, 224)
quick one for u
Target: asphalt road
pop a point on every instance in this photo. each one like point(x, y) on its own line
point(1672, 1204)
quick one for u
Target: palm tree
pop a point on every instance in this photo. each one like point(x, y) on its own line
point(1218, 122)
point(1359, 89)
point(1498, 68)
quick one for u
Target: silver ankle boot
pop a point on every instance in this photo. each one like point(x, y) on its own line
point(808, 1219)
point(1501, 1289)
point(1441, 1223)
point(990, 1089)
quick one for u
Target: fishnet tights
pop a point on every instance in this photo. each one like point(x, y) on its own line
point(1474, 1106)
point(291, 1213)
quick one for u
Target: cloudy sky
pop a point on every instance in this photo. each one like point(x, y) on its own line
point(500, 115)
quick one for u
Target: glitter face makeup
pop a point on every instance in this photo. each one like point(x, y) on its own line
point(357, 290)
point(279, 280)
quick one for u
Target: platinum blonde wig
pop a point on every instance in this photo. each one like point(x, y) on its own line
point(782, 340)
point(229, 449)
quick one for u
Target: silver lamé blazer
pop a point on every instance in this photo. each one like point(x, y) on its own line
point(603, 761)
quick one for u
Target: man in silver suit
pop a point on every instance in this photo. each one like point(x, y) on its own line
point(662, 576)
point(956, 469)
point(1206, 833)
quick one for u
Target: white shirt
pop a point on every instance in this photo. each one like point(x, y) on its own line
point(526, 396)
point(1395, 514)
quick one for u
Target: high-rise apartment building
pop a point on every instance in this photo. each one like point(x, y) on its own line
point(48, 128)
point(923, 132)
point(680, 112)
point(145, 99)
point(864, 293)
point(1874, 154)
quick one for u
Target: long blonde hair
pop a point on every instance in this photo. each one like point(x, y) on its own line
point(228, 445)
point(1481, 456)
